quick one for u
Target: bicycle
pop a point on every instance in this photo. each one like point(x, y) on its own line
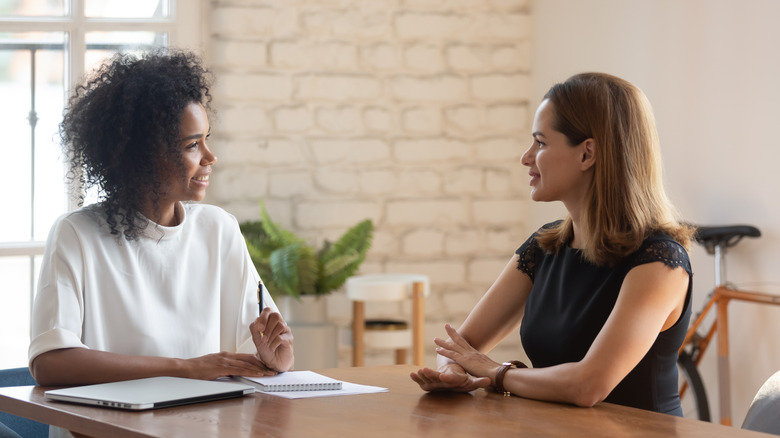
point(716, 240)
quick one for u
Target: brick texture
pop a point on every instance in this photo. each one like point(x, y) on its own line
point(412, 113)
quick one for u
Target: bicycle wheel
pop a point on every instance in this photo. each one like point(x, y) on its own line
point(693, 397)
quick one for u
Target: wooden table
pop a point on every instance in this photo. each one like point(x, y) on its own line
point(404, 411)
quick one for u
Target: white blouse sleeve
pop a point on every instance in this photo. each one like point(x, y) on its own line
point(58, 309)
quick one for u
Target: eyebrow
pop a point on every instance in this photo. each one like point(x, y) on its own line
point(195, 136)
point(537, 134)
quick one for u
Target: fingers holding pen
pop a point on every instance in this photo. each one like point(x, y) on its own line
point(273, 339)
point(263, 326)
point(277, 331)
point(274, 327)
point(278, 342)
point(256, 329)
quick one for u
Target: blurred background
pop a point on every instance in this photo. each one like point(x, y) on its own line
point(414, 113)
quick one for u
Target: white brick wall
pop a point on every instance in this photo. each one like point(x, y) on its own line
point(411, 113)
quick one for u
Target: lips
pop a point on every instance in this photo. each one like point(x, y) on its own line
point(534, 177)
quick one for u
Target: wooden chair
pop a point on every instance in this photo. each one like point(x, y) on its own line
point(391, 334)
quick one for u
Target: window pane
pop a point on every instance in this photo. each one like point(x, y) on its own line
point(126, 9)
point(32, 8)
point(33, 109)
point(101, 45)
point(15, 311)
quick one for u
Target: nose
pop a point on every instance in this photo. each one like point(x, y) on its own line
point(528, 156)
point(208, 159)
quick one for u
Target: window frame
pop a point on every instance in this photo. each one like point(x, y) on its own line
point(184, 29)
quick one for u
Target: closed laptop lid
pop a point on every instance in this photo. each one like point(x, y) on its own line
point(150, 393)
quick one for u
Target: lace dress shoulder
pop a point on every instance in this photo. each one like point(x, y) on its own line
point(526, 262)
point(530, 250)
point(666, 251)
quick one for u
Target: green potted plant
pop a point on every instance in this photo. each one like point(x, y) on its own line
point(290, 266)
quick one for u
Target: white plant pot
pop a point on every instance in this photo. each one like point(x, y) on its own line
point(309, 310)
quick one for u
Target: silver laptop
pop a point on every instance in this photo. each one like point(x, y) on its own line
point(151, 393)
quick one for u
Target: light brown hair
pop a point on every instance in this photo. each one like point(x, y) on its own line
point(626, 201)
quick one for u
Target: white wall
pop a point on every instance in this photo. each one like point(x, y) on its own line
point(708, 66)
point(408, 113)
point(710, 69)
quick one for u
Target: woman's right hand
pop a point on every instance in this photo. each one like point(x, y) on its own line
point(450, 377)
point(224, 364)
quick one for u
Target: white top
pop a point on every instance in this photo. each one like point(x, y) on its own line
point(182, 291)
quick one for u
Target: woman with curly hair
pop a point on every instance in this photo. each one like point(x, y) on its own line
point(602, 298)
point(146, 283)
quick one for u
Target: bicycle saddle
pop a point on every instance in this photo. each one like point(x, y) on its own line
point(725, 236)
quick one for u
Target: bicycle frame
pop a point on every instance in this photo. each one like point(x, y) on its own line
point(721, 296)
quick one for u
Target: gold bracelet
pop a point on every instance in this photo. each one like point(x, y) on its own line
point(499, 380)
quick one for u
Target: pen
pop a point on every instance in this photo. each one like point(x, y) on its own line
point(260, 300)
point(260, 296)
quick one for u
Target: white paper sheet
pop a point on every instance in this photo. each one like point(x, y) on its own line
point(346, 389)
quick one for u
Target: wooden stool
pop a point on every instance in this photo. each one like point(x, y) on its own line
point(391, 334)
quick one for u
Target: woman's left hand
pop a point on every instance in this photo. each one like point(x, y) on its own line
point(273, 340)
point(458, 349)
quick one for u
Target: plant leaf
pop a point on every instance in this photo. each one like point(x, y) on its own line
point(342, 258)
point(336, 271)
point(308, 271)
point(357, 238)
point(263, 267)
point(288, 265)
point(284, 268)
point(255, 234)
point(278, 236)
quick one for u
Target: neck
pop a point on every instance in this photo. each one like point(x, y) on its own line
point(575, 205)
point(166, 215)
point(577, 240)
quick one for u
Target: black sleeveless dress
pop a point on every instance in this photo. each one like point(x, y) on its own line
point(571, 300)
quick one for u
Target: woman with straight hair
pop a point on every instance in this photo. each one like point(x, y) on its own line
point(602, 298)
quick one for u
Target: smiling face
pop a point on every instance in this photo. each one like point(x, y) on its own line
point(188, 182)
point(197, 158)
point(559, 170)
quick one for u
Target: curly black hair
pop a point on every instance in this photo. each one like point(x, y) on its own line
point(122, 125)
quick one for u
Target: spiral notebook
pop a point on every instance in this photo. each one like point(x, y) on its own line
point(293, 381)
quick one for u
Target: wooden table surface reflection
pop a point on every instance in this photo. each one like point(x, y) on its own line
point(404, 411)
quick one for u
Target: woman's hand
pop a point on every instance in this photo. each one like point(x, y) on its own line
point(450, 377)
point(224, 364)
point(458, 349)
point(273, 340)
point(467, 370)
